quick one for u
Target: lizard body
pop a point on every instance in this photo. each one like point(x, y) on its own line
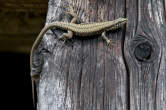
point(81, 29)
point(78, 30)
point(87, 29)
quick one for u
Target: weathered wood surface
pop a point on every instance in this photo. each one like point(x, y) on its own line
point(145, 54)
point(85, 74)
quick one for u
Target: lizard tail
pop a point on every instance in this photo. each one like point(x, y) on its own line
point(35, 46)
point(39, 38)
point(33, 94)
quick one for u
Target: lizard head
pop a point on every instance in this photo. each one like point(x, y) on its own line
point(118, 23)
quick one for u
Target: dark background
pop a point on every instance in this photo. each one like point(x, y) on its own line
point(20, 23)
point(16, 81)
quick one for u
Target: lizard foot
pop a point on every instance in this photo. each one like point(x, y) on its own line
point(63, 38)
point(109, 42)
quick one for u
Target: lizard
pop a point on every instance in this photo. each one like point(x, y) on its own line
point(81, 30)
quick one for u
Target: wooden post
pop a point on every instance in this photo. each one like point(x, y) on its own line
point(145, 54)
point(86, 74)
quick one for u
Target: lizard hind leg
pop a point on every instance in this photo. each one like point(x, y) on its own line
point(75, 18)
point(109, 41)
point(69, 34)
point(66, 36)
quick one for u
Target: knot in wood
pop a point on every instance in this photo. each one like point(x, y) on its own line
point(143, 51)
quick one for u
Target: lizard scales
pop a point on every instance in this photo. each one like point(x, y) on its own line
point(88, 29)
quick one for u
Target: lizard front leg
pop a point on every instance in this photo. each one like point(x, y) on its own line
point(109, 41)
point(69, 34)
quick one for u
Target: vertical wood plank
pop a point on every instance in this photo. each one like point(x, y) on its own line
point(145, 54)
point(84, 74)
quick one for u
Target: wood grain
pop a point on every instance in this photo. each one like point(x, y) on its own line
point(84, 74)
point(145, 54)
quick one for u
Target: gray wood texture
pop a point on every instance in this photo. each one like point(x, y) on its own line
point(145, 54)
point(85, 74)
